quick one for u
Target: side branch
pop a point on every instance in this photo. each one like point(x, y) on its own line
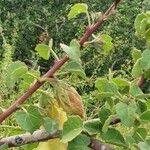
point(58, 64)
point(43, 135)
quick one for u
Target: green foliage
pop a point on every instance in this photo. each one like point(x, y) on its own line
point(4, 147)
point(74, 68)
point(14, 71)
point(80, 142)
point(73, 51)
point(50, 125)
point(113, 136)
point(126, 113)
point(77, 9)
point(72, 128)
point(108, 45)
point(29, 120)
point(142, 25)
point(43, 51)
point(92, 126)
point(116, 95)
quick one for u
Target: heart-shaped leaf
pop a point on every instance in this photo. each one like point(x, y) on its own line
point(77, 9)
point(30, 120)
point(72, 128)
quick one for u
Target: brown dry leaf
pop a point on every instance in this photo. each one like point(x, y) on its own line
point(69, 99)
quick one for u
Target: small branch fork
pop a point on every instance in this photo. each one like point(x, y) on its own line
point(42, 135)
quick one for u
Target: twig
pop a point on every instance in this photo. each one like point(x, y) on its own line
point(43, 135)
point(56, 66)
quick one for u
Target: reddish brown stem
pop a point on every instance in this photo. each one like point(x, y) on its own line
point(57, 65)
point(141, 81)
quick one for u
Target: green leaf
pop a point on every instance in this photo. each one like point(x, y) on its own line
point(72, 128)
point(4, 147)
point(147, 35)
point(108, 45)
point(113, 136)
point(144, 146)
point(147, 74)
point(50, 125)
point(148, 104)
point(43, 51)
point(129, 140)
point(138, 21)
point(104, 114)
point(31, 146)
point(104, 95)
point(145, 115)
point(29, 78)
point(81, 142)
point(15, 71)
point(120, 82)
point(73, 51)
point(136, 54)
point(135, 90)
point(143, 27)
point(137, 69)
point(107, 123)
point(126, 114)
point(92, 126)
point(75, 68)
point(140, 134)
point(30, 120)
point(77, 9)
point(104, 85)
point(145, 60)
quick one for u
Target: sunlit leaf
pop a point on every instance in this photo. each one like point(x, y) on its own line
point(136, 54)
point(72, 128)
point(43, 51)
point(137, 70)
point(138, 21)
point(145, 60)
point(144, 145)
point(73, 51)
point(147, 35)
point(77, 9)
point(108, 45)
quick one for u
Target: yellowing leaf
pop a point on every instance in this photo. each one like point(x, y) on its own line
point(53, 144)
point(43, 51)
point(58, 115)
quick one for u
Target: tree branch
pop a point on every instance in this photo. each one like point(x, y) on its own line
point(43, 135)
point(57, 64)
